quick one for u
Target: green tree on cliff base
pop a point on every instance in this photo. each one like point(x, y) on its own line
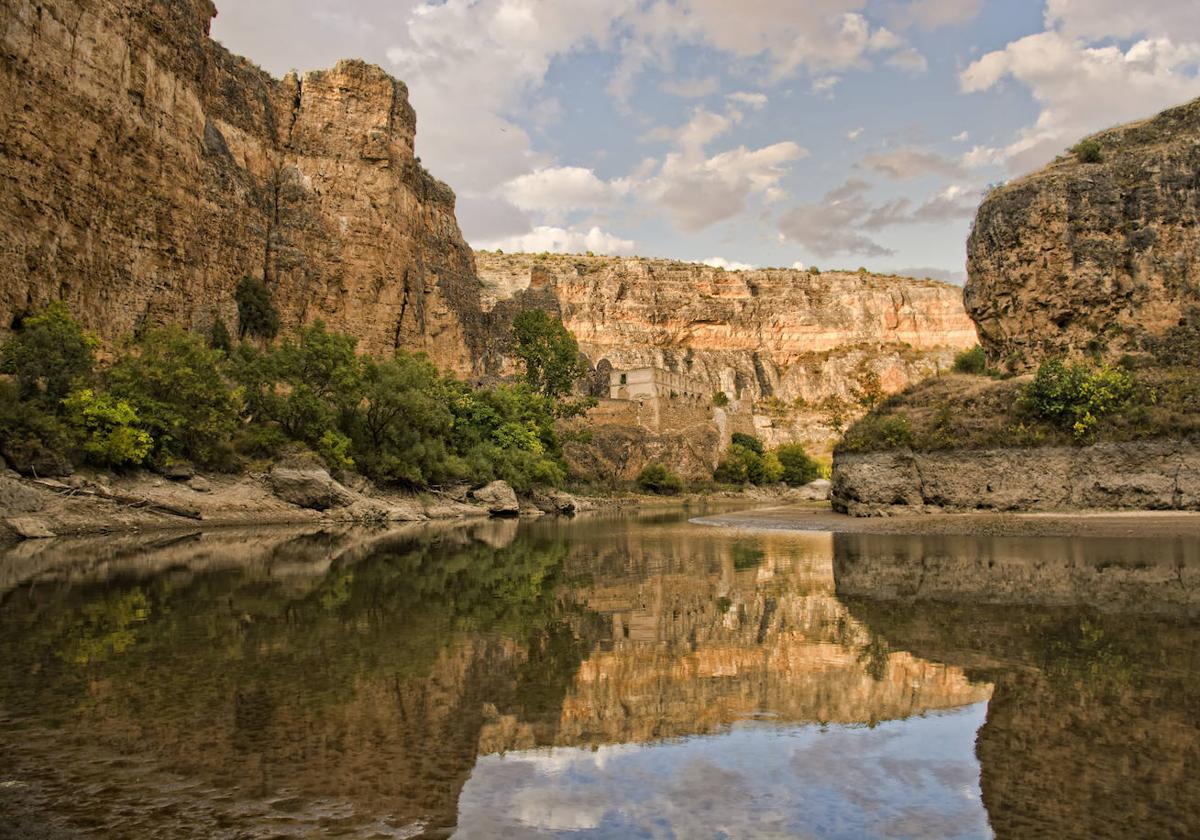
point(549, 352)
point(257, 315)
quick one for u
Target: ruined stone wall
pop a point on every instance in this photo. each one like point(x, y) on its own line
point(144, 171)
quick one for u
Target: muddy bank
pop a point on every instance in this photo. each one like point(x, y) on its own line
point(815, 517)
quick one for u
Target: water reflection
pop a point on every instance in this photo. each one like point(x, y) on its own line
point(610, 677)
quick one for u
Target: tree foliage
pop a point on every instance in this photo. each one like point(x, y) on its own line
point(549, 352)
point(49, 356)
point(660, 480)
point(798, 468)
point(109, 429)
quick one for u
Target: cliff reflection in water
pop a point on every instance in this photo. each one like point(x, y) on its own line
point(615, 677)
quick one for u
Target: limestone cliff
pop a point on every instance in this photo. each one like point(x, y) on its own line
point(145, 170)
point(781, 342)
point(1097, 257)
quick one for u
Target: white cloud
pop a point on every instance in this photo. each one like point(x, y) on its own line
point(1081, 88)
point(799, 266)
point(961, 137)
point(910, 61)
point(750, 100)
point(825, 84)
point(562, 241)
point(728, 265)
point(1097, 20)
point(560, 189)
point(854, 133)
point(908, 163)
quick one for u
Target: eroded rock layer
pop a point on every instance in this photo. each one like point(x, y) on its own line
point(784, 342)
point(145, 171)
point(1099, 257)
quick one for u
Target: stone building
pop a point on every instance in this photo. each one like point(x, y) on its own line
point(652, 383)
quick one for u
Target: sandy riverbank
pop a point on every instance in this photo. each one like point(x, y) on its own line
point(1090, 524)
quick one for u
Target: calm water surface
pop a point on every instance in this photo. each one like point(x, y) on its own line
point(608, 678)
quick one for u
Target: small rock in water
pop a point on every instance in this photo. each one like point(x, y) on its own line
point(29, 528)
point(499, 498)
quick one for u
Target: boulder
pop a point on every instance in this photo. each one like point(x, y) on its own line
point(199, 484)
point(16, 497)
point(308, 487)
point(815, 491)
point(29, 528)
point(499, 498)
point(29, 457)
point(559, 502)
point(179, 470)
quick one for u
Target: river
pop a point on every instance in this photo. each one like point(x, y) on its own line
point(608, 677)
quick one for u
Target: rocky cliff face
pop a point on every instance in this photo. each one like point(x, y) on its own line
point(146, 171)
point(783, 341)
point(1092, 257)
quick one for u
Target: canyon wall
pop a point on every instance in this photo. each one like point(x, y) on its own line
point(797, 350)
point(1098, 258)
point(1156, 474)
point(145, 171)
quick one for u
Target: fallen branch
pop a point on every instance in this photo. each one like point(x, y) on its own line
point(129, 501)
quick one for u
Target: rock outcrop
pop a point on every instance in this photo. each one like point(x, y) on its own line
point(1097, 257)
point(797, 349)
point(1137, 475)
point(145, 170)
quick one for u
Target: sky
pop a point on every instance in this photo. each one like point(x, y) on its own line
point(836, 133)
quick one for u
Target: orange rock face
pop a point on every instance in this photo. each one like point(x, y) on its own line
point(146, 171)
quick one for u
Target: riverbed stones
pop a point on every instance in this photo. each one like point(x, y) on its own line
point(17, 497)
point(200, 484)
point(179, 470)
point(499, 498)
point(31, 458)
point(308, 487)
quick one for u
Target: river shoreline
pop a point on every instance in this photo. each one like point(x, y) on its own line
point(1075, 524)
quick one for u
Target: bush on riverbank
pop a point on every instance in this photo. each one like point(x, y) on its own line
point(748, 462)
point(169, 396)
point(660, 480)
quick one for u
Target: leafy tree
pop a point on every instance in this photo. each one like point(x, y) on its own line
point(49, 355)
point(742, 465)
point(309, 386)
point(401, 427)
point(660, 480)
point(549, 351)
point(771, 472)
point(257, 315)
point(1076, 396)
point(720, 399)
point(176, 385)
point(798, 468)
point(109, 427)
point(972, 361)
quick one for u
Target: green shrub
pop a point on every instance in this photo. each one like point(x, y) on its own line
point(720, 399)
point(219, 337)
point(798, 468)
point(1089, 151)
point(973, 361)
point(109, 429)
point(742, 465)
point(1076, 396)
point(749, 442)
point(257, 315)
point(176, 384)
point(660, 480)
point(877, 432)
point(772, 470)
point(28, 426)
point(49, 356)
